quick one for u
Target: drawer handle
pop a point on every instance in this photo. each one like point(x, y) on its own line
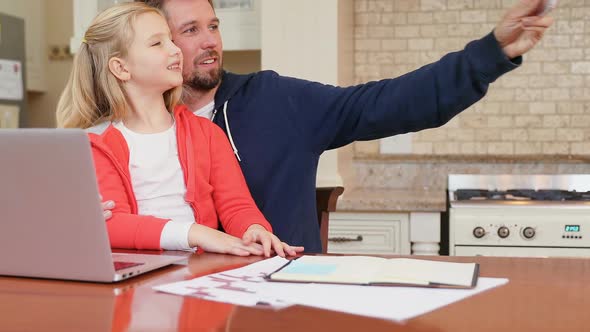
point(359, 238)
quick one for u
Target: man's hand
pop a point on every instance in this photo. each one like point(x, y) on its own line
point(258, 234)
point(520, 29)
point(106, 208)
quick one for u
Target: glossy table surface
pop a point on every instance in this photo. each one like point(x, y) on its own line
point(543, 294)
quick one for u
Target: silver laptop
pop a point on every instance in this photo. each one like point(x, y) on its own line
point(51, 222)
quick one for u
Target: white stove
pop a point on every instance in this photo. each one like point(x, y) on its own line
point(519, 215)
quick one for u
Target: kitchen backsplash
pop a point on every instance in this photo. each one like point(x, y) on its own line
point(424, 173)
point(542, 108)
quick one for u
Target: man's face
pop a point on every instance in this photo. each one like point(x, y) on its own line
point(195, 30)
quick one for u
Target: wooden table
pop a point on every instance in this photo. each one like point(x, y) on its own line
point(542, 295)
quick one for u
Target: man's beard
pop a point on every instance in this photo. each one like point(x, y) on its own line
point(200, 81)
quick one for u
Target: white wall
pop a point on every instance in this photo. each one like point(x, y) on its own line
point(312, 40)
point(58, 30)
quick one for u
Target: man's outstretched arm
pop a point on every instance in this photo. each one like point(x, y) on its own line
point(330, 117)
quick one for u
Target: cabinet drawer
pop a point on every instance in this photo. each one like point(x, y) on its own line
point(368, 233)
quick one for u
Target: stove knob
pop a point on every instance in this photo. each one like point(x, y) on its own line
point(479, 232)
point(503, 232)
point(528, 232)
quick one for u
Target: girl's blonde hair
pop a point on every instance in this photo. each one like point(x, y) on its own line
point(93, 94)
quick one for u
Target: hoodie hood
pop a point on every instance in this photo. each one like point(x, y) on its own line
point(230, 85)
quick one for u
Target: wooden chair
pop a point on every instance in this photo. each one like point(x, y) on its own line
point(326, 199)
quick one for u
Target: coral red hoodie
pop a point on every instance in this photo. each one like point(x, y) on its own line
point(215, 187)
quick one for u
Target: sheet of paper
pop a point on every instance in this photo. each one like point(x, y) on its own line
point(246, 286)
point(11, 80)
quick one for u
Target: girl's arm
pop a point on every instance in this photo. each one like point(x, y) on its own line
point(212, 240)
point(129, 230)
point(126, 228)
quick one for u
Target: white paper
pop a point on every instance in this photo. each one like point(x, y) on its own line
point(246, 286)
point(11, 80)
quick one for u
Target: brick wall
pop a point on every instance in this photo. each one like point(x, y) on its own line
point(542, 108)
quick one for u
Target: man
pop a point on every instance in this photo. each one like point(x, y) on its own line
point(279, 126)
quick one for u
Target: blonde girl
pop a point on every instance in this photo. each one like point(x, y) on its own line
point(171, 175)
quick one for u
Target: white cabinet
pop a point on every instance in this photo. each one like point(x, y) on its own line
point(369, 233)
point(392, 233)
point(240, 24)
point(240, 21)
point(33, 12)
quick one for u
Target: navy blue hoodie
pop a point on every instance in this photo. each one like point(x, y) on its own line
point(280, 126)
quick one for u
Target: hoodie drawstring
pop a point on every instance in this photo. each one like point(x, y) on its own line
point(231, 140)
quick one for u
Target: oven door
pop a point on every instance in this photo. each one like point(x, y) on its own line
point(520, 251)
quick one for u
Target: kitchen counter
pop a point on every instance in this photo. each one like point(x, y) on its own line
point(390, 183)
point(392, 200)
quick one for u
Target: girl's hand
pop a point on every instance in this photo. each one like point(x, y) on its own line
point(107, 206)
point(212, 240)
point(258, 234)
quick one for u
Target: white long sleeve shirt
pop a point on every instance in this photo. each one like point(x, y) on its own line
point(158, 183)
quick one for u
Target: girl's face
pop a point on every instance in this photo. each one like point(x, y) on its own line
point(153, 62)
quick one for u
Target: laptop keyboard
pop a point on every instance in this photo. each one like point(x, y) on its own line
point(124, 265)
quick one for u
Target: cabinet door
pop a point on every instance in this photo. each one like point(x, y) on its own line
point(240, 24)
point(369, 233)
point(9, 116)
point(33, 12)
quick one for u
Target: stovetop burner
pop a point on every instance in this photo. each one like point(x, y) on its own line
point(521, 195)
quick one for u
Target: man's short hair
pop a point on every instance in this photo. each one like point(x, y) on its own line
point(160, 3)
